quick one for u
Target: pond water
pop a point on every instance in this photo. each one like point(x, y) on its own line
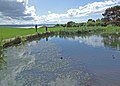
point(89, 60)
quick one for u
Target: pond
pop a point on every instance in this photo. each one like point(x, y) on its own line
point(86, 60)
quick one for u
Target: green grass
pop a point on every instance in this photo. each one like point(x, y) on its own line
point(96, 29)
point(111, 29)
point(6, 33)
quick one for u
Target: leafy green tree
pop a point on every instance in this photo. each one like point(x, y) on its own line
point(63, 25)
point(57, 25)
point(70, 24)
point(60, 25)
point(91, 22)
point(99, 22)
point(82, 24)
point(112, 16)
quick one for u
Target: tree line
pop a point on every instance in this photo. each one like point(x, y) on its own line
point(111, 16)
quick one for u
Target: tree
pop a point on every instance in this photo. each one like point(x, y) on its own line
point(70, 24)
point(57, 25)
point(60, 25)
point(63, 25)
point(90, 22)
point(112, 16)
point(82, 24)
point(99, 22)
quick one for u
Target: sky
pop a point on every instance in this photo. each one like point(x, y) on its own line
point(52, 11)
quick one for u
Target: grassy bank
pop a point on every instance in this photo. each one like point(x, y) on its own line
point(22, 34)
point(6, 33)
point(108, 29)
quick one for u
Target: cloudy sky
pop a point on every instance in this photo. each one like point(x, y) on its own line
point(52, 11)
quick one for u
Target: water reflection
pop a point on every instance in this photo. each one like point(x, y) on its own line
point(107, 40)
point(40, 64)
point(112, 41)
point(2, 59)
point(95, 41)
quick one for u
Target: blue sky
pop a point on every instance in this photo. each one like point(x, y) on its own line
point(52, 11)
point(57, 6)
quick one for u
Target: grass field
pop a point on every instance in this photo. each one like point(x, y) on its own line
point(6, 33)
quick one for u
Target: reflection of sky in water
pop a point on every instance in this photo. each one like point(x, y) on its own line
point(39, 64)
point(95, 41)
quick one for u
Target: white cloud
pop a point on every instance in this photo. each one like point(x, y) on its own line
point(12, 10)
point(49, 12)
point(82, 11)
point(18, 10)
point(95, 41)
